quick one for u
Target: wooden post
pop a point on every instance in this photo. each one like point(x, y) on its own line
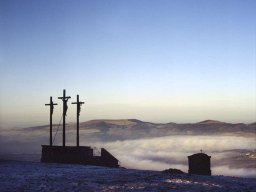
point(51, 104)
point(78, 104)
point(65, 108)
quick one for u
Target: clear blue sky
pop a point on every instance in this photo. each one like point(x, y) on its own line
point(160, 61)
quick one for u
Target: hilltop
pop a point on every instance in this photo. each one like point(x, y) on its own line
point(28, 176)
point(211, 122)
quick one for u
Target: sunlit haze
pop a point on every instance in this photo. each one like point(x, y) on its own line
point(158, 61)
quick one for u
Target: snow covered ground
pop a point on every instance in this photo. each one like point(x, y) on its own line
point(34, 176)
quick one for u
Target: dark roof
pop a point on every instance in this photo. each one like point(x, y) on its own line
point(200, 155)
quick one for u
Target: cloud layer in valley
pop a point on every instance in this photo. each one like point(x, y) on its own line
point(172, 151)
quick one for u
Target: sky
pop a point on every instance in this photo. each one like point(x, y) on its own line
point(153, 60)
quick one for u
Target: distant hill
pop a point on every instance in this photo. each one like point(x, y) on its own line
point(129, 129)
point(210, 122)
point(123, 129)
point(252, 125)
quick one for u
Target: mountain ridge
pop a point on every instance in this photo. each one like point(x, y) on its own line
point(208, 121)
point(123, 129)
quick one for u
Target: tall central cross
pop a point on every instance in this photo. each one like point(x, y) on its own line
point(78, 109)
point(51, 104)
point(65, 108)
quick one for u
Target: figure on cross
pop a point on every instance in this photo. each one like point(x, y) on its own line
point(64, 99)
point(78, 104)
point(51, 104)
point(65, 107)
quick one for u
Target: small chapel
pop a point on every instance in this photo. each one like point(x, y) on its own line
point(199, 164)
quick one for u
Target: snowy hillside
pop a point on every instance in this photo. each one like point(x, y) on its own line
point(28, 176)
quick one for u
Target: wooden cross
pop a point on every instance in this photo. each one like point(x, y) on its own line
point(78, 104)
point(51, 104)
point(65, 108)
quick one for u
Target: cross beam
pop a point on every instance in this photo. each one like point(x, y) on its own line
point(78, 110)
point(51, 104)
point(65, 108)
